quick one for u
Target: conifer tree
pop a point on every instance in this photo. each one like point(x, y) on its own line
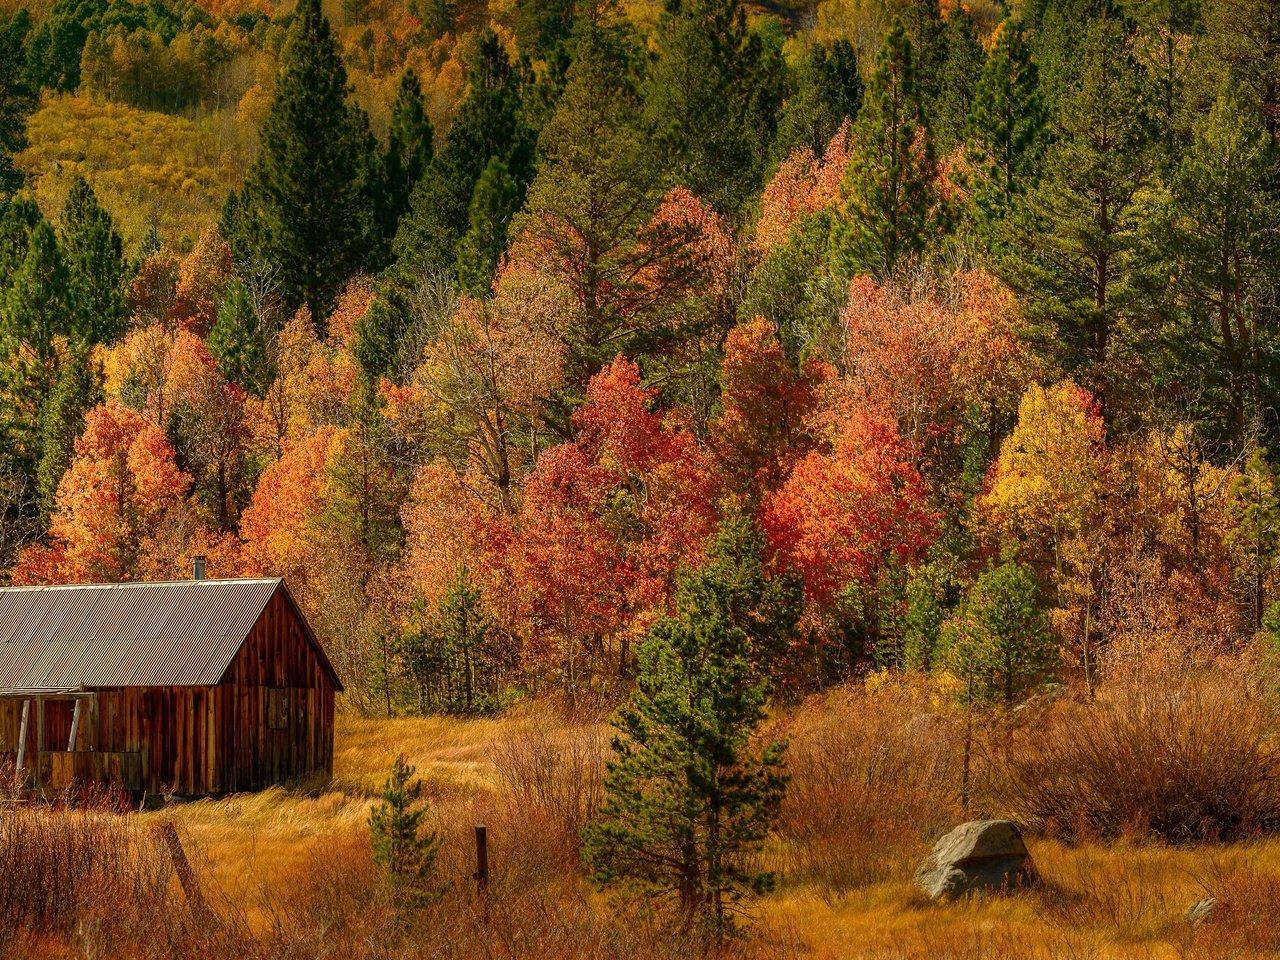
point(1222, 243)
point(307, 208)
point(962, 61)
point(94, 255)
point(689, 796)
point(236, 341)
point(1007, 130)
point(493, 204)
point(891, 205)
point(409, 149)
point(17, 98)
point(1076, 259)
point(709, 106)
point(825, 92)
point(490, 123)
point(926, 30)
point(20, 217)
point(35, 319)
point(77, 391)
point(402, 844)
point(1000, 635)
point(597, 186)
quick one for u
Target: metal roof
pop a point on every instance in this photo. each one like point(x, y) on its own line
point(176, 633)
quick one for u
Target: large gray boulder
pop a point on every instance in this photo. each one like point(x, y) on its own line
point(981, 856)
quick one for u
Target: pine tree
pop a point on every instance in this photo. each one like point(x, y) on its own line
point(1221, 241)
point(36, 317)
point(1255, 539)
point(1077, 258)
point(1242, 42)
point(489, 123)
point(1007, 130)
point(597, 186)
point(78, 390)
point(307, 207)
point(402, 845)
point(825, 92)
point(493, 204)
point(710, 110)
point(926, 31)
point(1000, 635)
point(963, 60)
point(20, 217)
point(891, 205)
point(689, 796)
point(17, 98)
point(410, 148)
point(237, 342)
point(94, 255)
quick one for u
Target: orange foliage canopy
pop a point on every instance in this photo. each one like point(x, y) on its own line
point(608, 518)
point(122, 482)
point(762, 430)
point(843, 514)
point(803, 185)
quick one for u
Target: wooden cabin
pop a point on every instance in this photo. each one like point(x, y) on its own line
point(189, 687)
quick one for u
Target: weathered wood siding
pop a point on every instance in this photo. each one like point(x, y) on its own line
point(278, 719)
point(269, 722)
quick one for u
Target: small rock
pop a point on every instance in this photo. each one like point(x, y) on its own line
point(1202, 911)
point(981, 856)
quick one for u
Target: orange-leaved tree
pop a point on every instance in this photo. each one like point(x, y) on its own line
point(123, 484)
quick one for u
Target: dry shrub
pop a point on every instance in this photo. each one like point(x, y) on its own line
point(875, 776)
point(554, 776)
point(1182, 759)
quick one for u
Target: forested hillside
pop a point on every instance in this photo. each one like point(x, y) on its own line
point(478, 324)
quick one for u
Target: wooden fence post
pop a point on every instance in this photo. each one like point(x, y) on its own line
point(482, 857)
point(186, 876)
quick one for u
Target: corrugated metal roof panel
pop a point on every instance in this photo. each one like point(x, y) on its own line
point(177, 633)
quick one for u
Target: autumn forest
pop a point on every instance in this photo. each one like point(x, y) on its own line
point(686, 363)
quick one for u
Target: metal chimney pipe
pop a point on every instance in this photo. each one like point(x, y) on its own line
point(197, 567)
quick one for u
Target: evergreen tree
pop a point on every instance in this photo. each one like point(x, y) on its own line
point(711, 101)
point(237, 342)
point(409, 149)
point(930, 595)
point(1221, 243)
point(308, 203)
point(963, 60)
point(891, 205)
point(20, 217)
point(825, 92)
point(17, 99)
point(450, 656)
point(35, 319)
point(490, 123)
point(493, 204)
point(689, 797)
point(1000, 635)
point(926, 31)
point(1077, 259)
point(1255, 540)
point(402, 844)
point(77, 391)
point(94, 255)
point(1007, 130)
point(1242, 43)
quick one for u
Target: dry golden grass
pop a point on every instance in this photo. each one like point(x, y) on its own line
point(289, 872)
